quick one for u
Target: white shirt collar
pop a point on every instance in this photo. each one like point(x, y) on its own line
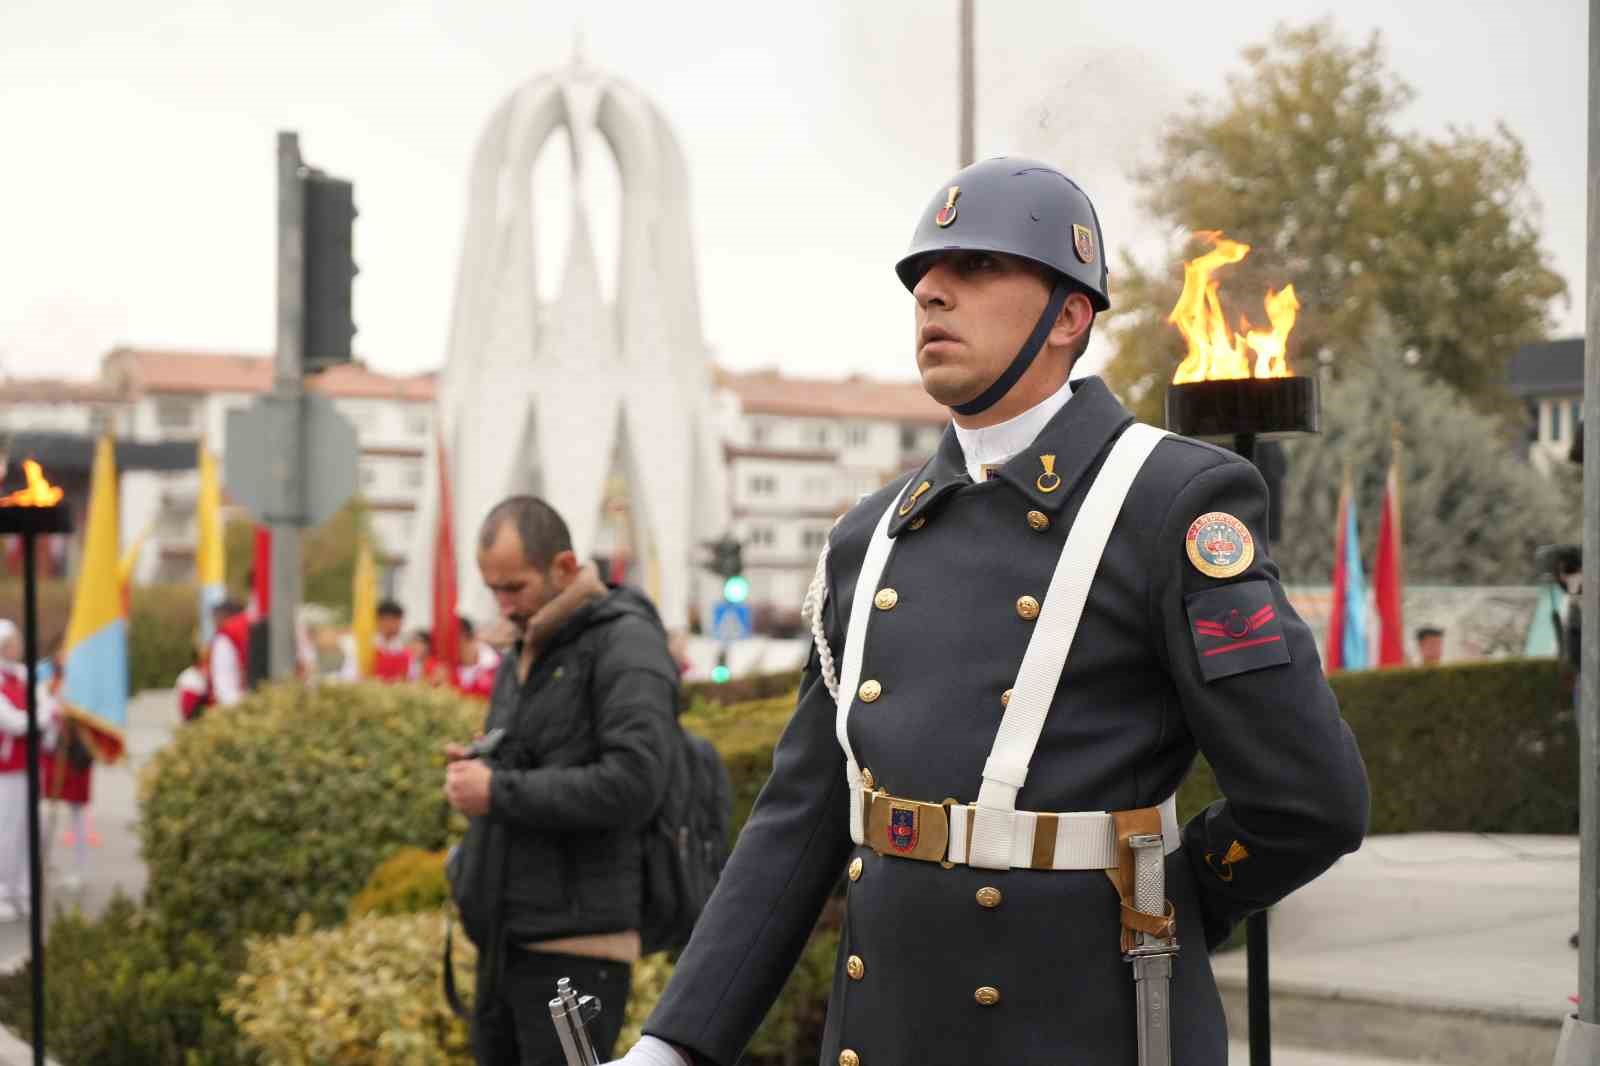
point(993, 445)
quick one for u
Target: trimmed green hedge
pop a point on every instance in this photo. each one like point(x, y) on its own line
point(741, 689)
point(1485, 747)
point(285, 803)
point(126, 988)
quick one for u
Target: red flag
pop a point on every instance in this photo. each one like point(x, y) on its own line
point(1333, 657)
point(1388, 572)
point(446, 627)
point(261, 587)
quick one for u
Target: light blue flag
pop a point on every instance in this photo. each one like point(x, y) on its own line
point(1355, 595)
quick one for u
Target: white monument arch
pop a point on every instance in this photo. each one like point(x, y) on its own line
point(601, 408)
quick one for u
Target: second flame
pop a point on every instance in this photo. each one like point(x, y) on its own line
point(1215, 351)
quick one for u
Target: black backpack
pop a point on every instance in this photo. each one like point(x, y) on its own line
point(685, 844)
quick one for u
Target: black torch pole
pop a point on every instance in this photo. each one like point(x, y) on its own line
point(30, 654)
point(1255, 947)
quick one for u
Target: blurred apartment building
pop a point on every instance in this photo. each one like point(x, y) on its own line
point(797, 453)
point(160, 404)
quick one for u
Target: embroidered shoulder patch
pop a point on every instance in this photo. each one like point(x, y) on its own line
point(1219, 545)
point(1236, 629)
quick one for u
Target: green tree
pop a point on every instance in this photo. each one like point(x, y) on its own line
point(1303, 160)
point(1473, 510)
point(327, 555)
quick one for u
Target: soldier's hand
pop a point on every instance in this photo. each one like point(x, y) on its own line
point(455, 752)
point(652, 1051)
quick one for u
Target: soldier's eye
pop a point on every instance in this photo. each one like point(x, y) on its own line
point(978, 262)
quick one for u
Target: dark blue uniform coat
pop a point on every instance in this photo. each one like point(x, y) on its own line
point(1168, 661)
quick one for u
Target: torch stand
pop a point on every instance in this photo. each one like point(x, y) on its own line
point(1246, 409)
point(29, 523)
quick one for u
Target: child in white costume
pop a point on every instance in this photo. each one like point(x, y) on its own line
point(15, 894)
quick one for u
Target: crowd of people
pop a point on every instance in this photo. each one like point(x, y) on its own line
point(234, 660)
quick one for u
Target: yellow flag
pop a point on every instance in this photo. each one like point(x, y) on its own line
point(208, 554)
point(97, 602)
point(364, 608)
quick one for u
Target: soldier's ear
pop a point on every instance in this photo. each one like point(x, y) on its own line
point(1072, 326)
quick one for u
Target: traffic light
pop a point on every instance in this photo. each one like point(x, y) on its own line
point(720, 672)
point(330, 268)
point(726, 559)
point(736, 588)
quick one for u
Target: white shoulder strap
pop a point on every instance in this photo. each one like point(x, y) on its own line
point(855, 643)
point(1040, 675)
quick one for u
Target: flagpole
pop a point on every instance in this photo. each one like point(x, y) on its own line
point(30, 644)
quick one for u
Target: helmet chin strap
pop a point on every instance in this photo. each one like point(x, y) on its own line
point(1019, 366)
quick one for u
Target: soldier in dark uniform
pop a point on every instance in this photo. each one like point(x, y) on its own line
point(989, 842)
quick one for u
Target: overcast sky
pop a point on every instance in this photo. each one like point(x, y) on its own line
point(137, 197)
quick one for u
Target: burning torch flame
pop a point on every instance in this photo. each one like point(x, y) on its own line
point(1215, 351)
point(39, 493)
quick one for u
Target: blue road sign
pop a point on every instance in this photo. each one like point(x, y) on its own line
point(730, 621)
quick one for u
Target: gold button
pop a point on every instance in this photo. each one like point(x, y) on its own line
point(856, 866)
point(1005, 698)
point(868, 782)
point(1038, 521)
point(886, 599)
point(987, 996)
point(870, 691)
point(855, 968)
point(988, 898)
point(1028, 608)
point(918, 522)
point(849, 1058)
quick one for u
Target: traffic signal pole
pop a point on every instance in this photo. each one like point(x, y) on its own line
point(1580, 1035)
point(286, 508)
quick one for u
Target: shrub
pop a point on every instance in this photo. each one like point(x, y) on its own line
point(408, 881)
point(163, 625)
point(286, 803)
point(1484, 747)
point(124, 988)
point(367, 992)
point(744, 735)
point(741, 689)
point(52, 606)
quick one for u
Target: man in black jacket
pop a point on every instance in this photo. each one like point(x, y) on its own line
point(549, 877)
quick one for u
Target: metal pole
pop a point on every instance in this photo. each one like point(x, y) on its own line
point(968, 100)
point(288, 395)
point(1257, 987)
point(1580, 1036)
point(30, 653)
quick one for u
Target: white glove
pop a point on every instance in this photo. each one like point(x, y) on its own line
point(650, 1051)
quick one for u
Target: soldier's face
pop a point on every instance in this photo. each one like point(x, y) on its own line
point(974, 311)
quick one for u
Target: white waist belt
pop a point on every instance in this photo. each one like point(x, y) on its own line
point(1083, 841)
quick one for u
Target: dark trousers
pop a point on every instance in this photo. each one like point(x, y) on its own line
point(516, 1029)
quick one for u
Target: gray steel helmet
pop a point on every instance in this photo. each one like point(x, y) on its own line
point(1018, 206)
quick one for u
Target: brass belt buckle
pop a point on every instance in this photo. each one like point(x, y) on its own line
point(907, 829)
